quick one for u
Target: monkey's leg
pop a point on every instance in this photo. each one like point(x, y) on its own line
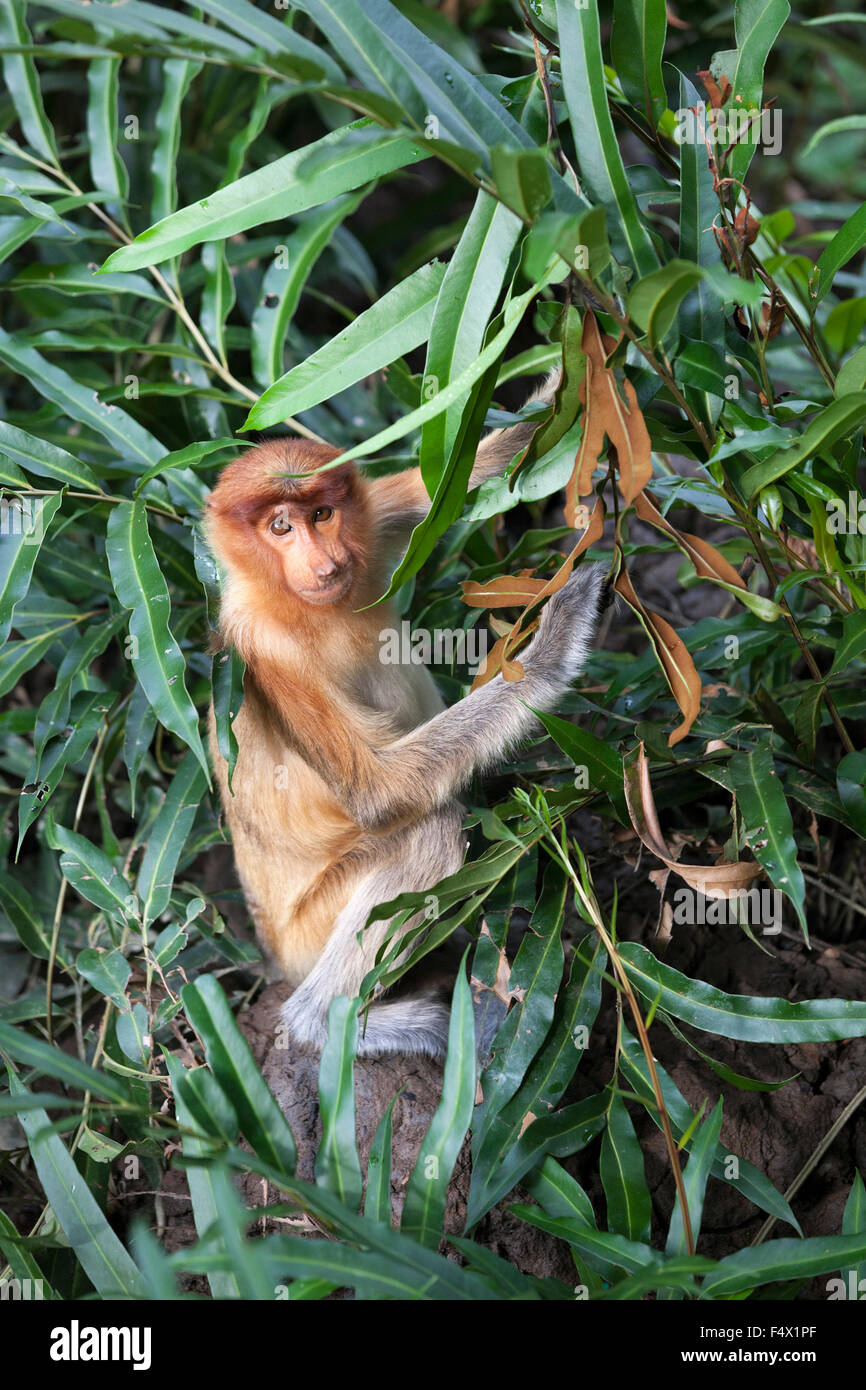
point(410, 860)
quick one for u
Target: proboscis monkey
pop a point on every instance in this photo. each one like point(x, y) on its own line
point(344, 792)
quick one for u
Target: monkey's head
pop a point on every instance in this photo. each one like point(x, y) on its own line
point(297, 534)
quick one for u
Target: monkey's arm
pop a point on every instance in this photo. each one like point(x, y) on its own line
point(402, 499)
point(384, 786)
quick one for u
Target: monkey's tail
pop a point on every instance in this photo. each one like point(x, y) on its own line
point(417, 1026)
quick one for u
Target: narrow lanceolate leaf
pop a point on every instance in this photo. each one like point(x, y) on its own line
point(606, 1251)
point(600, 165)
point(105, 1261)
point(46, 1060)
point(92, 874)
point(746, 1178)
point(701, 313)
point(200, 1176)
point(655, 300)
point(377, 1198)
point(854, 1220)
point(785, 1259)
point(424, 1208)
point(629, 1205)
point(535, 978)
point(167, 836)
point(836, 421)
point(280, 190)
point(106, 167)
point(177, 74)
point(466, 301)
point(284, 281)
point(22, 80)
point(234, 1066)
point(338, 1166)
point(850, 238)
point(768, 827)
point(129, 439)
point(44, 459)
point(394, 325)
point(836, 127)
point(265, 31)
point(228, 693)
point(756, 25)
point(636, 46)
point(697, 1171)
point(390, 56)
point(218, 294)
point(23, 532)
point(156, 657)
point(746, 1017)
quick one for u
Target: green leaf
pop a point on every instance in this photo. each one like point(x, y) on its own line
point(92, 873)
point(746, 1017)
point(156, 656)
point(228, 693)
point(76, 278)
point(522, 179)
point(629, 1205)
point(128, 437)
point(782, 1259)
point(44, 459)
point(107, 971)
point(744, 1176)
point(177, 74)
point(636, 46)
point(284, 281)
point(104, 1260)
point(843, 123)
point(654, 301)
point(22, 80)
point(836, 421)
point(394, 325)
point(271, 194)
point(851, 785)
point(19, 549)
point(767, 824)
point(467, 298)
point(377, 1198)
point(603, 764)
point(203, 1183)
point(601, 169)
point(167, 837)
point(756, 26)
point(535, 978)
point(338, 1166)
point(47, 1060)
point(424, 1208)
point(854, 1220)
point(106, 168)
point(234, 1066)
point(852, 374)
point(704, 1144)
point(850, 238)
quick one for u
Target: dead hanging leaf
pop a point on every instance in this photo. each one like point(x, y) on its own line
point(508, 591)
point(500, 658)
point(772, 316)
point(673, 656)
point(712, 880)
point(606, 414)
point(717, 95)
point(709, 563)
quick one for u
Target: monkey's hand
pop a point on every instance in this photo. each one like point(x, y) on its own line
point(558, 651)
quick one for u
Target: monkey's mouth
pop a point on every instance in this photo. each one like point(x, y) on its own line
point(331, 590)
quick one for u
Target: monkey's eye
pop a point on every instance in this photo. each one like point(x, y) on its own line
point(279, 526)
point(323, 513)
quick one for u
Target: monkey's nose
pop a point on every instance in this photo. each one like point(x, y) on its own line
point(325, 568)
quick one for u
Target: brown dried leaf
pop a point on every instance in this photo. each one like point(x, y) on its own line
point(717, 95)
point(673, 656)
point(607, 414)
point(508, 591)
point(713, 880)
point(709, 563)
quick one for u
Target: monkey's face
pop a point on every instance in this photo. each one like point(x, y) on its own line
point(307, 536)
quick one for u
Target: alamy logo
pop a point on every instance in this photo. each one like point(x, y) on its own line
point(445, 646)
point(77, 1343)
point(729, 125)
